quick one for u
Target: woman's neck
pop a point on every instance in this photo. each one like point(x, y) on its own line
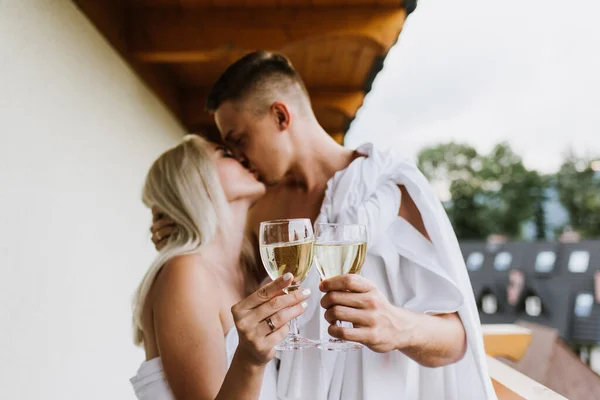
point(226, 247)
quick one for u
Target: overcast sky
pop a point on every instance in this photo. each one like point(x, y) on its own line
point(480, 71)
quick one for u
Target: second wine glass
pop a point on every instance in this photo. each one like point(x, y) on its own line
point(340, 249)
point(287, 246)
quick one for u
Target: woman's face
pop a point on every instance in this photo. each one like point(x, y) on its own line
point(238, 182)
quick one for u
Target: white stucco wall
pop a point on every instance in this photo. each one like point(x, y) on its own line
point(78, 131)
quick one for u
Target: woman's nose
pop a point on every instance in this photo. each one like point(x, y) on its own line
point(243, 160)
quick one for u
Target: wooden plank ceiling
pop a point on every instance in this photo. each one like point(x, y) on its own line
point(180, 47)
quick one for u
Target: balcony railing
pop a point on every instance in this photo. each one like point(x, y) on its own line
point(511, 342)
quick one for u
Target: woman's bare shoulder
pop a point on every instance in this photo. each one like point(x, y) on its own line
point(185, 274)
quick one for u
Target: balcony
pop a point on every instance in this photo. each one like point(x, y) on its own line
point(511, 342)
point(150, 35)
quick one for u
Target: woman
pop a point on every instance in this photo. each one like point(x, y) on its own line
point(195, 294)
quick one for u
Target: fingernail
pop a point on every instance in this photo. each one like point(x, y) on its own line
point(304, 304)
point(288, 276)
point(306, 292)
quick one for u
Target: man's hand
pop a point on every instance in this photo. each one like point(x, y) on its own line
point(430, 340)
point(377, 324)
point(161, 229)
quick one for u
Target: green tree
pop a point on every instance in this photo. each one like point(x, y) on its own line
point(491, 193)
point(539, 214)
point(517, 192)
point(467, 213)
point(578, 186)
point(458, 165)
point(449, 161)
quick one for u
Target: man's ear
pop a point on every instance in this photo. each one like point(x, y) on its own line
point(282, 115)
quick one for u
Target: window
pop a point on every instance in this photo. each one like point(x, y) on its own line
point(579, 261)
point(533, 306)
point(474, 261)
point(584, 304)
point(489, 304)
point(595, 358)
point(544, 262)
point(502, 261)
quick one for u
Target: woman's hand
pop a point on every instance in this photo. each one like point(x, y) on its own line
point(258, 337)
point(161, 229)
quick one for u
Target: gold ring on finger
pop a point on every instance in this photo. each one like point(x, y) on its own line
point(270, 323)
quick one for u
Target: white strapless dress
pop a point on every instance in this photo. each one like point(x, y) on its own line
point(150, 383)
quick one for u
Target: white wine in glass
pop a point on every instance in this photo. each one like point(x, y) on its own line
point(295, 258)
point(339, 250)
point(339, 259)
point(287, 246)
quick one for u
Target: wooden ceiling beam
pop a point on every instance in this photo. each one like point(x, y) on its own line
point(342, 104)
point(182, 35)
point(109, 17)
point(262, 3)
point(346, 103)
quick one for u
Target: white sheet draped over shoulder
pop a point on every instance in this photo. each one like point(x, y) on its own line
point(412, 272)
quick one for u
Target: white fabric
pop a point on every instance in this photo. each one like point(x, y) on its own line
point(150, 382)
point(411, 272)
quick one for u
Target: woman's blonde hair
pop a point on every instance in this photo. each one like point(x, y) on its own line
point(184, 184)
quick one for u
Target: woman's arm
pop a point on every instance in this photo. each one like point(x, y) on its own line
point(190, 336)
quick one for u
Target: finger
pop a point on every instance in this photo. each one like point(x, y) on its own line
point(277, 336)
point(349, 282)
point(360, 335)
point(278, 303)
point(165, 233)
point(266, 292)
point(161, 223)
point(348, 299)
point(157, 214)
point(159, 244)
point(347, 314)
point(281, 318)
point(162, 235)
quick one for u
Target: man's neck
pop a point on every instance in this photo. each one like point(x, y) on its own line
point(317, 159)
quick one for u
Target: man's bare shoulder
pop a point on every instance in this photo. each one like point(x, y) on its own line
point(282, 202)
point(270, 206)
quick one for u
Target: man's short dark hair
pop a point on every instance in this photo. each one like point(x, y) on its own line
point(258, 73)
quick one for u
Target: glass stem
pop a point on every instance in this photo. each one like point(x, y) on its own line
point(294, 331)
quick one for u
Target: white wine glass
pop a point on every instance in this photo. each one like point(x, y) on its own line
point(287, 246)
point(339, 249)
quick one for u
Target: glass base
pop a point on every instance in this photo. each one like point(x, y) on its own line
point(294, 342)
point(339, 345)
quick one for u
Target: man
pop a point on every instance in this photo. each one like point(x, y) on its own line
point(263, 112)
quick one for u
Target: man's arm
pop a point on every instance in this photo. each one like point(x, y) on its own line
point(430, 340)
point(437, 340)
point(410, 212)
